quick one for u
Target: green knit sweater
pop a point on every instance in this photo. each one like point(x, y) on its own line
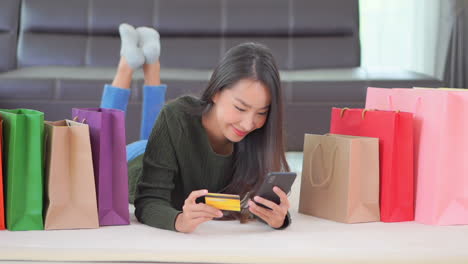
point(178, 160)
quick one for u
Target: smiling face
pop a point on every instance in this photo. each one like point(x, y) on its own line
point(241, 109)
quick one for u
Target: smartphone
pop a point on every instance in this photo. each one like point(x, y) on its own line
point(283, 180)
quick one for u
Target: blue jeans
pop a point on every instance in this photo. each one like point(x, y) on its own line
point(153, 101)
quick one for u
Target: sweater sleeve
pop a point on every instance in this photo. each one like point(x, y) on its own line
point(286, 223)
point(153, 195)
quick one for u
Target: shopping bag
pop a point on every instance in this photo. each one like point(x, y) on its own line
point(70, 190)
point(395, 133)
point(2, 207)
point(440, 149)
point(23, 132)
point(107, 130)
point(340, 178)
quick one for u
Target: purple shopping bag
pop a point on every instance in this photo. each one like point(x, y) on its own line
point(107, 131)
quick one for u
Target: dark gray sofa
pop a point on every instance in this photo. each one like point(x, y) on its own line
point(58, 54)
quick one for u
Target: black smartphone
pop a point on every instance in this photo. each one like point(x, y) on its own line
point(283, 180)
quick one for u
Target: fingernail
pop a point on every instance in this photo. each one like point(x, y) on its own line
point(256, 198)
point(220, 214)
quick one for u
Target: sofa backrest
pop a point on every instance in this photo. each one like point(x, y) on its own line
point(9, 14)
point(195, 34)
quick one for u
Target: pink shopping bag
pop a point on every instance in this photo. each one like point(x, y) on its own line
point(441, 149)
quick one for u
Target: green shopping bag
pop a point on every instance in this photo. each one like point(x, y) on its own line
point(23, 131)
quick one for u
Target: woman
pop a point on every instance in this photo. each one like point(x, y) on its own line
point(225, 141)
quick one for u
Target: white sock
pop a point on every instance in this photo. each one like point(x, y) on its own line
point(149, 43)
point(129, 46)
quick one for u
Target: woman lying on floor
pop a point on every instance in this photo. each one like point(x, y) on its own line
point(226, 141)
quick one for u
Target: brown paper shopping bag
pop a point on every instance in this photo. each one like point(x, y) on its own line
point(70, 188)
point(340, 178)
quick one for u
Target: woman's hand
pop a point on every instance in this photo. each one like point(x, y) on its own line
point(194, 214)
point(274, 216)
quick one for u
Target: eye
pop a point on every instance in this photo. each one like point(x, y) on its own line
point(263, 113)
point(240, 109)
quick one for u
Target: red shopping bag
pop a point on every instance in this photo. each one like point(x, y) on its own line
point(395, 132)
point(2, 206)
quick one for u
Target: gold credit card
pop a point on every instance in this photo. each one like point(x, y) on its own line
point(227, 202)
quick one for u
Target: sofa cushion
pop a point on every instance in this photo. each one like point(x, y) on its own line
point(184, 18)
point(325, 52)
point(54, 16)
point(325, 17)
point(190, 53)
point(105, 16)
point(9, 12)
point(7, 51)
point(38, 49)
point(9, 16)
point(278, 46)
point(331, 86)
point(248, 18)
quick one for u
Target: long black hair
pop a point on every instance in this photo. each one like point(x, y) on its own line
point(263, 149)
